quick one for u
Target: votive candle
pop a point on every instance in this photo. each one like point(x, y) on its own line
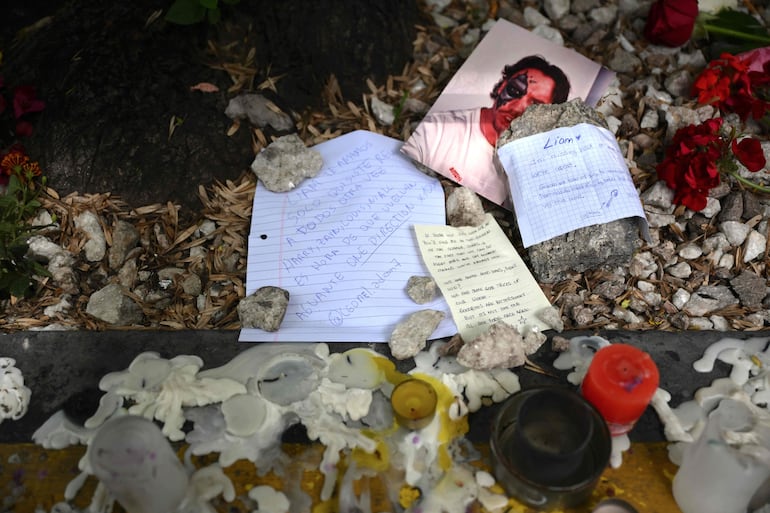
point(414, 403)
point(620, 382)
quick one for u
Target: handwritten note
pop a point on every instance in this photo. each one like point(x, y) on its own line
point(566, 179)
point(482, 277)
point(342, 244)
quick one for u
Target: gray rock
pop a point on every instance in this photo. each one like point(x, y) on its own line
point(555, 9)
point(264, 309)
point(623, 61)
point(735, 231)
point(751, 205)
point(604, 15)
point(285, 163)
point(96, 247)
point(260, 112)
point(410, 336)
point(501, 346)
point(604, 246)
point(750, 287)
point(709, 298)
point(124, 238)
point(464, 208)
point(552, 318)
point(422, 289)
point(732, 207)
point(679, 83)
point(754, 246)
point(111, 305)
point(191, 284)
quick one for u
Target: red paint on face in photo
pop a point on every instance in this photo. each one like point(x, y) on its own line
point(540, 89)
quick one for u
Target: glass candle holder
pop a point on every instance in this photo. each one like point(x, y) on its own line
point(551, 435)
point(414, 403)
point(532, 464)
point(620, 382)
point(131, 457)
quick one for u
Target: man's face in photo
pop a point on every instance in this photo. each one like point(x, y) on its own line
point(525, 88)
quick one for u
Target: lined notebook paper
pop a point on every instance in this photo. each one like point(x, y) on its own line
point(342, 244)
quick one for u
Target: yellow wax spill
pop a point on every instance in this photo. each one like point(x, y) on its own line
point(379, 460)
point(329, 506)
point(449, 429)
point(408, 495)
point(389, 369)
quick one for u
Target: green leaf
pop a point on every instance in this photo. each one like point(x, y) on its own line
point(214, 16)
point(185, 12)
point(735, 25)
point(208, 4)
point(231, 2)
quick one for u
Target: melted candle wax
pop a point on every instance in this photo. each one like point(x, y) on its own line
point(241, 408)
point(721, 438)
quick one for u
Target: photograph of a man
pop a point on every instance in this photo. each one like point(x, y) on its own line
point(460, 143)
point(514, 68)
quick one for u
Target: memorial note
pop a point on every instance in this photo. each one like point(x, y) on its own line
point(342, 244)
point(482, 277)
point(568, 178)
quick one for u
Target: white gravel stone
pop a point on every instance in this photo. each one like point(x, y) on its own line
point(650, 119)
point(716, 241)
point(555, 9)
point(626, 315)
point(680, 270)
point(690, 251)
point(96, 247)
point(719, 323)
point(712, 208)
point(534, 18)
point(643, 265)
point(700, 323)
point(754, 246)
point(680, 298)
point(549, 33)
point(645, 286)
point(384, 112)
point(727, 261)
point(735, 231)
point(659, 195)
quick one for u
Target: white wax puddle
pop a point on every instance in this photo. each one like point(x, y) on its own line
point(241, 409)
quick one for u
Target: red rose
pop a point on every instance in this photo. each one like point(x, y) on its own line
point(670, 22)
point(749, 153)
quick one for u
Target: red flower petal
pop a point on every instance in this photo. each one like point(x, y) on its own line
point(749, 153)
point(670, 22)
point(25, 101)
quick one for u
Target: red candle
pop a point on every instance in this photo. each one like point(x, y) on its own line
point(620, 383)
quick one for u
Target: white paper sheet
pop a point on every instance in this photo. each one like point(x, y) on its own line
point(566, 179)
point(342, 244)
point(482, 277)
